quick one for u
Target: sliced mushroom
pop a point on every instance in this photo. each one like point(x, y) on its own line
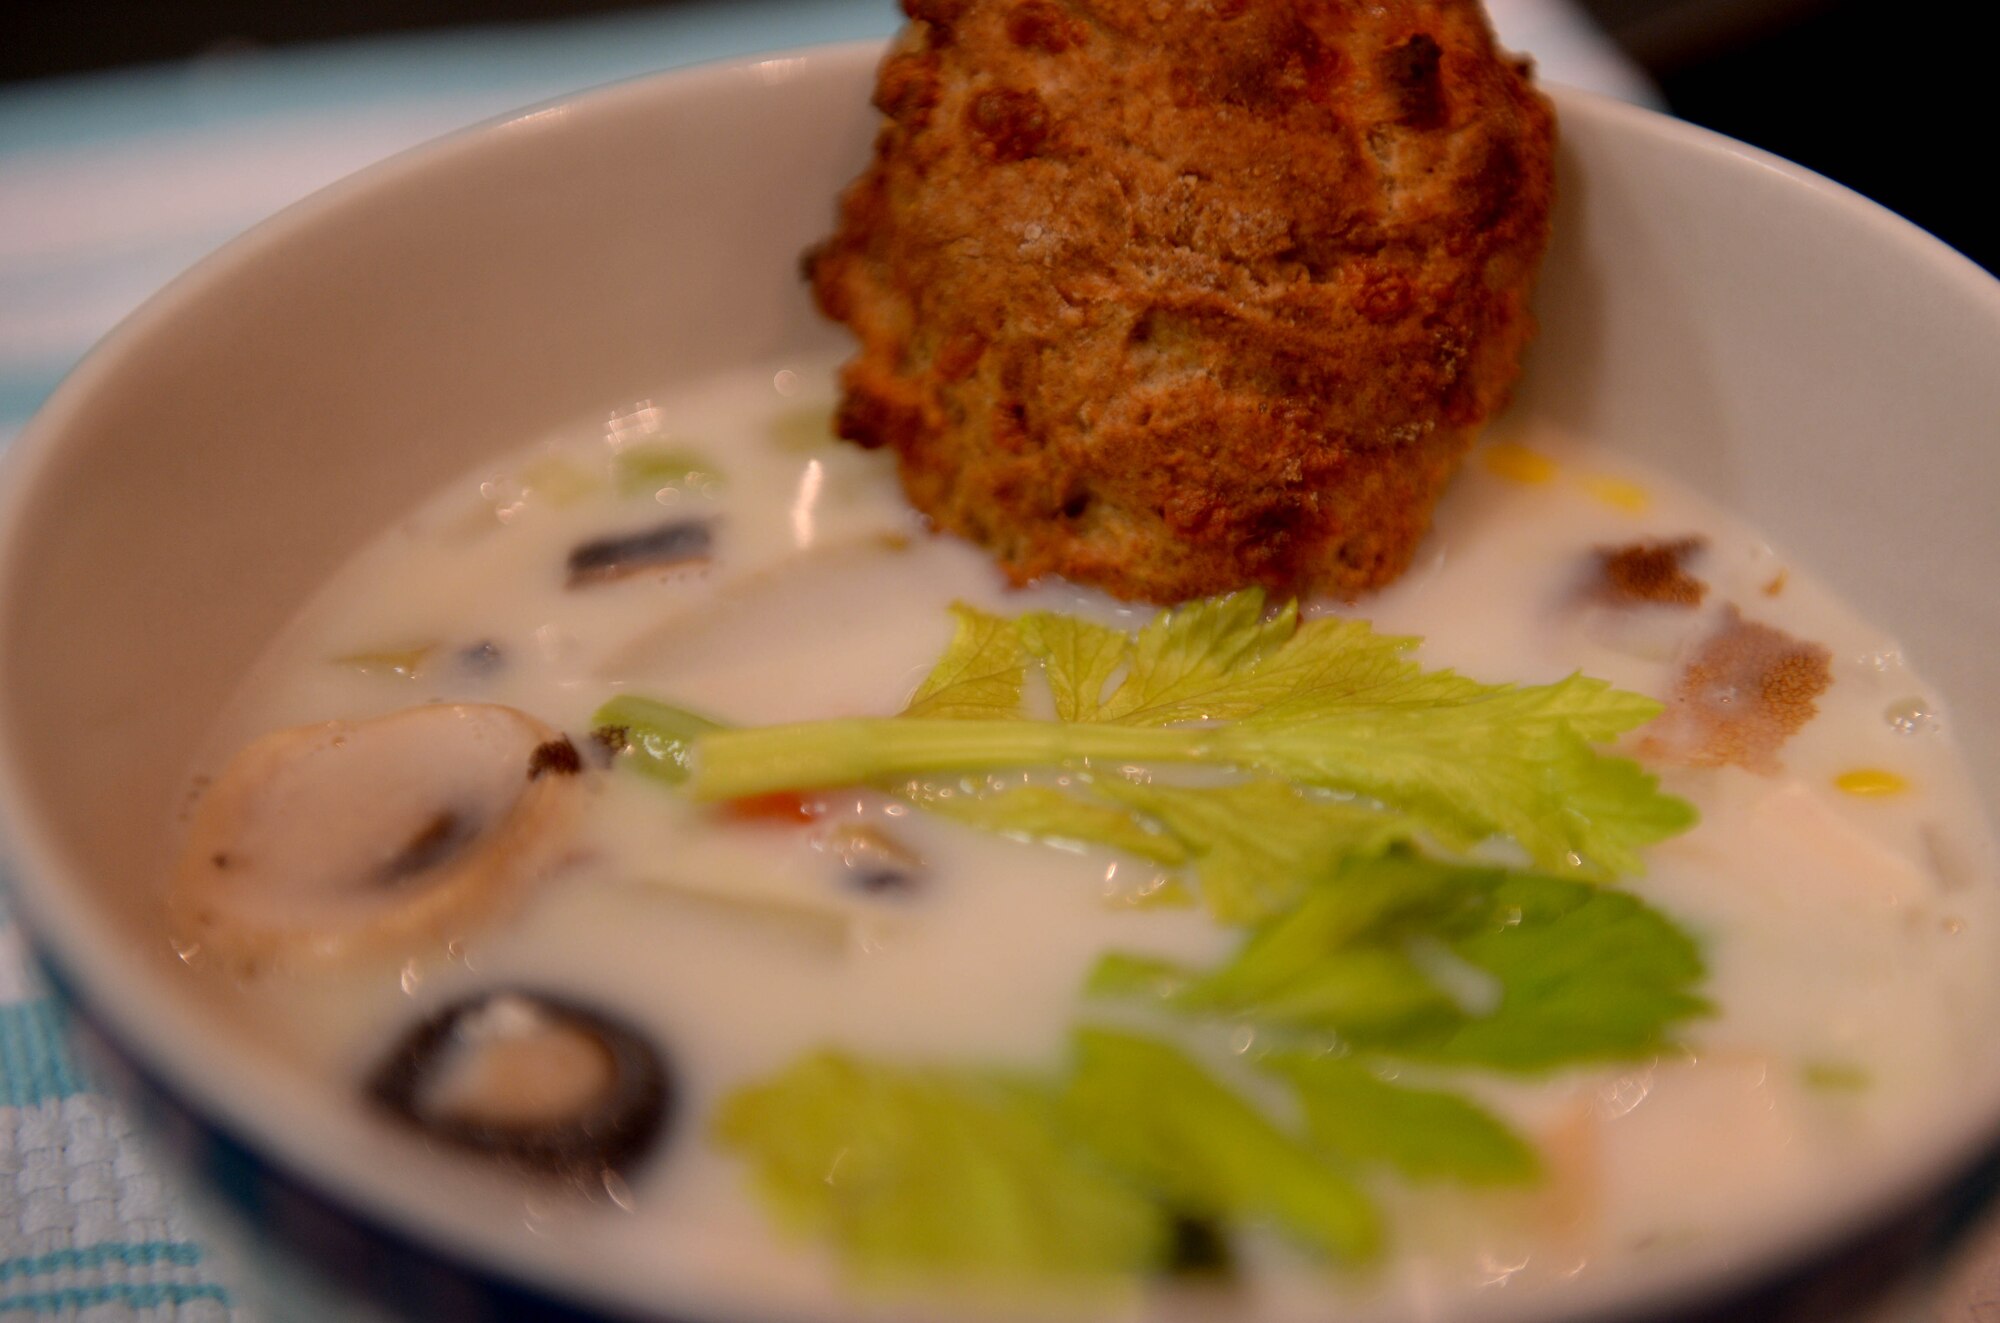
point(875, 862)
point(321, 843)
point(664, 546)
point(535, 1082)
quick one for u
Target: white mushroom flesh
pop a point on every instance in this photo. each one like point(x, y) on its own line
point(511, 1064)
point(331, 840)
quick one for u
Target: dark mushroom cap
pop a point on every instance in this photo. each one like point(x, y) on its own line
point(610, 1127)
point(663, 546)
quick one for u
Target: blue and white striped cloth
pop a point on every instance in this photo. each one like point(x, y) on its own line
point(110, 185)
point(87, 1229)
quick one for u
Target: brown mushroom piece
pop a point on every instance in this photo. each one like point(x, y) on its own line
point(876, 863)
point(537, 1083)
point(323, 843)
point(665, 546)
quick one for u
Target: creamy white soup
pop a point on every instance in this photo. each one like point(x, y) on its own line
point(715, 549)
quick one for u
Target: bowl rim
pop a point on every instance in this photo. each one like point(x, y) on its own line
point(64, 932)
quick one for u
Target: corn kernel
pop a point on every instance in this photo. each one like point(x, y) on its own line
point(1517, 463)
point(1871, 782)
point(1619, 494)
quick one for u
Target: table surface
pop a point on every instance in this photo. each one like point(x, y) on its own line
point(110, 185)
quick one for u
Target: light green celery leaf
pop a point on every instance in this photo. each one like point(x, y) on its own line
point(1079, 659)
point(1052, 814)
point(1426, 1134)
point(644, 469)
point(925, 1173)
point(980, 674)
point(1125, 974)
point(1544, 971)
point(1613, 806)
point(1584, 973)
point(1364, 904)
point(1333, 663)
point(1370, 992)
point(1336, 962)
point(1329, 702)
point(1364, 992)
point(1253, 843)
point(1350, 668)
point(1188, 663)
point(1325, 704)
point(1153, 1115)
point(1505, 762)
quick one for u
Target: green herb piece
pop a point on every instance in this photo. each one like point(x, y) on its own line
point(1163, 1122)
point(559, 481)
point(914, 1172)
point(1426, 1134)
point(1310, 706)
point(657, 736)
point(1412, 958)
point(646, 469)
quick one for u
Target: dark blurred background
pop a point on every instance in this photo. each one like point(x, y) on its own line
point(1879, 96)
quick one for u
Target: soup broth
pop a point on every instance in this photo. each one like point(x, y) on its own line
point(1838, 884)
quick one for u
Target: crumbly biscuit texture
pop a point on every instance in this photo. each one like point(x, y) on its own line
point(1177, 296)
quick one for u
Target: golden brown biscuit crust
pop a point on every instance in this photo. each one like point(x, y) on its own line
point(1175, 296)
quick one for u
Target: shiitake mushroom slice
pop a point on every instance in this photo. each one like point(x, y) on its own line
point(320, 844)
point(676, 542)
point(539, 1084)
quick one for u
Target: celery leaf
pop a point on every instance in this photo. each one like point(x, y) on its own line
point(1166, 1124)
point(1302, 728)
point(1410, 958)
point(980, 674)
point(1426, 1134)
point(1051, 813)
point(915, 1173)
point(1078, 659)
point(1253, 843)
point(1584, 973)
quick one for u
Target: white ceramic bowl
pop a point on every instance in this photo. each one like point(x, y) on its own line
point(1775, 341)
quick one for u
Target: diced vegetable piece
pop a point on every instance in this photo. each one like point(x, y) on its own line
point(657, 736)
point(645, 469)
point(676, 542)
